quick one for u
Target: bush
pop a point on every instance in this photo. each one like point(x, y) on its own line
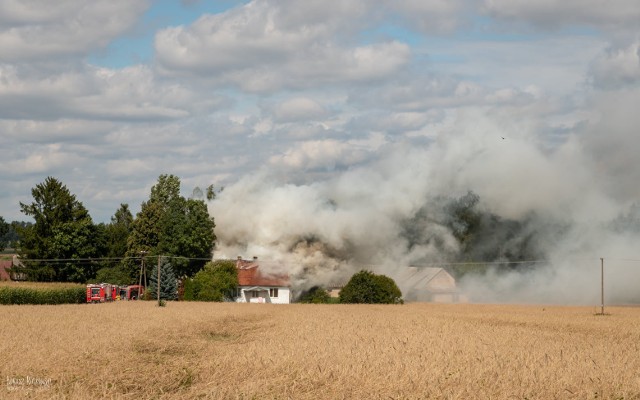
point(13, 295)
point(367, 287)
point(315, 295)
point(188, 294)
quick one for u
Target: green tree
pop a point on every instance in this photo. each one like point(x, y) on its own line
point(315, 295)
point(12, 236)
point(118, 275)
point(215, 282)
point(169, 224)
point(63, 229)
point(117, 232)
point(168, 282)
point(4, 230)
point(367, 287)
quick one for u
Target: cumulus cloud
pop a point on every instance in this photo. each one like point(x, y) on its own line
point(24, 131)
point(298, 109)
point(50, 158)
point(325, 154)
point(132, 93)
point(40, 30)
point(439, 16)
point(265, 46)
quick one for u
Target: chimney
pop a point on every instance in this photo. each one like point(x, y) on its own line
point(255, 258)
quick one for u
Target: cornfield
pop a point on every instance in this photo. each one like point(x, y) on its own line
point(41, 293)
point(245, 351)
point(40, 285)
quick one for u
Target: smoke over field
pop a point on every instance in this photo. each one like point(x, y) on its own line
point(482, 194)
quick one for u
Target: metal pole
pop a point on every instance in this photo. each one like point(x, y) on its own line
point(158, 280)
point(602, 286)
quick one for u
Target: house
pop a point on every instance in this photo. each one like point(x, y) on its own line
point(10, 270)
point(428, 284)
point(257, 286)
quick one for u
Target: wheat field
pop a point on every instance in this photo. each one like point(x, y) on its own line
point(134, 350)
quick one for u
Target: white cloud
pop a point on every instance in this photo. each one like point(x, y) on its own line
point(61, 130)
point(265, 46)
point(41, 29)
point(440, 16)
point(44, 160)
point(132, 93)
point(298, 109)
point(321, 154)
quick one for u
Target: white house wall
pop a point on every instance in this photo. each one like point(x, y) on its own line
point(284, 295)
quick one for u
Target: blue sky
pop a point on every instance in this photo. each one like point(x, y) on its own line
point(107, 95)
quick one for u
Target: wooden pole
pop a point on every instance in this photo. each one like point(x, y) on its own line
point(142, 253)
point(602, 286)
point(158, 280)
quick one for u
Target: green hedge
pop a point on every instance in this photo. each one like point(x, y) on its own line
point(13, 295)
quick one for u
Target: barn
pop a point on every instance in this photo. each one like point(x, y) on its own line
point(430, 284)
point(426, 284)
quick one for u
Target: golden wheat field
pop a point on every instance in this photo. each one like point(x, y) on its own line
point(134, 350)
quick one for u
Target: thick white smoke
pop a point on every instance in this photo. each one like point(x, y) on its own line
point(324, 231)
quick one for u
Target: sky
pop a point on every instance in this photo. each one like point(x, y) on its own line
point(337, 127)
point(106, 95)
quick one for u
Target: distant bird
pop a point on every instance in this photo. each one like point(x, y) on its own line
point(502, 138)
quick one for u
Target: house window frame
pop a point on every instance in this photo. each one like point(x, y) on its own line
point(273, 292)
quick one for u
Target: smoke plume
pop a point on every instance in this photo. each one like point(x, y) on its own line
point(485, 193)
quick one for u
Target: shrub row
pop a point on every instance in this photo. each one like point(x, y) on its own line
point(13, 295)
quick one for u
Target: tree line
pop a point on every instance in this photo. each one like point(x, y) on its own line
point(63, 244)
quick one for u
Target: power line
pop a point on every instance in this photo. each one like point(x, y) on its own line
point(421, 265)
point(101, 259)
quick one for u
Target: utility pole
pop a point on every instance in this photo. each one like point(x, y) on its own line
point(142, 269)
point(602, 286)
point(158, 280)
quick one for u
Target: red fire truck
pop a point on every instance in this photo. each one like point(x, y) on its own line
point(131, 292)
point(101, 292)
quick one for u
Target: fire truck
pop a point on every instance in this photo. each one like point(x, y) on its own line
point(131, 292)
point(101, 292)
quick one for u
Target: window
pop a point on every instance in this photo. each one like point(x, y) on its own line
point(273, 292)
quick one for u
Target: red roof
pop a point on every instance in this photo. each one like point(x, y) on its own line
point(4, 274)
point(249, 274)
